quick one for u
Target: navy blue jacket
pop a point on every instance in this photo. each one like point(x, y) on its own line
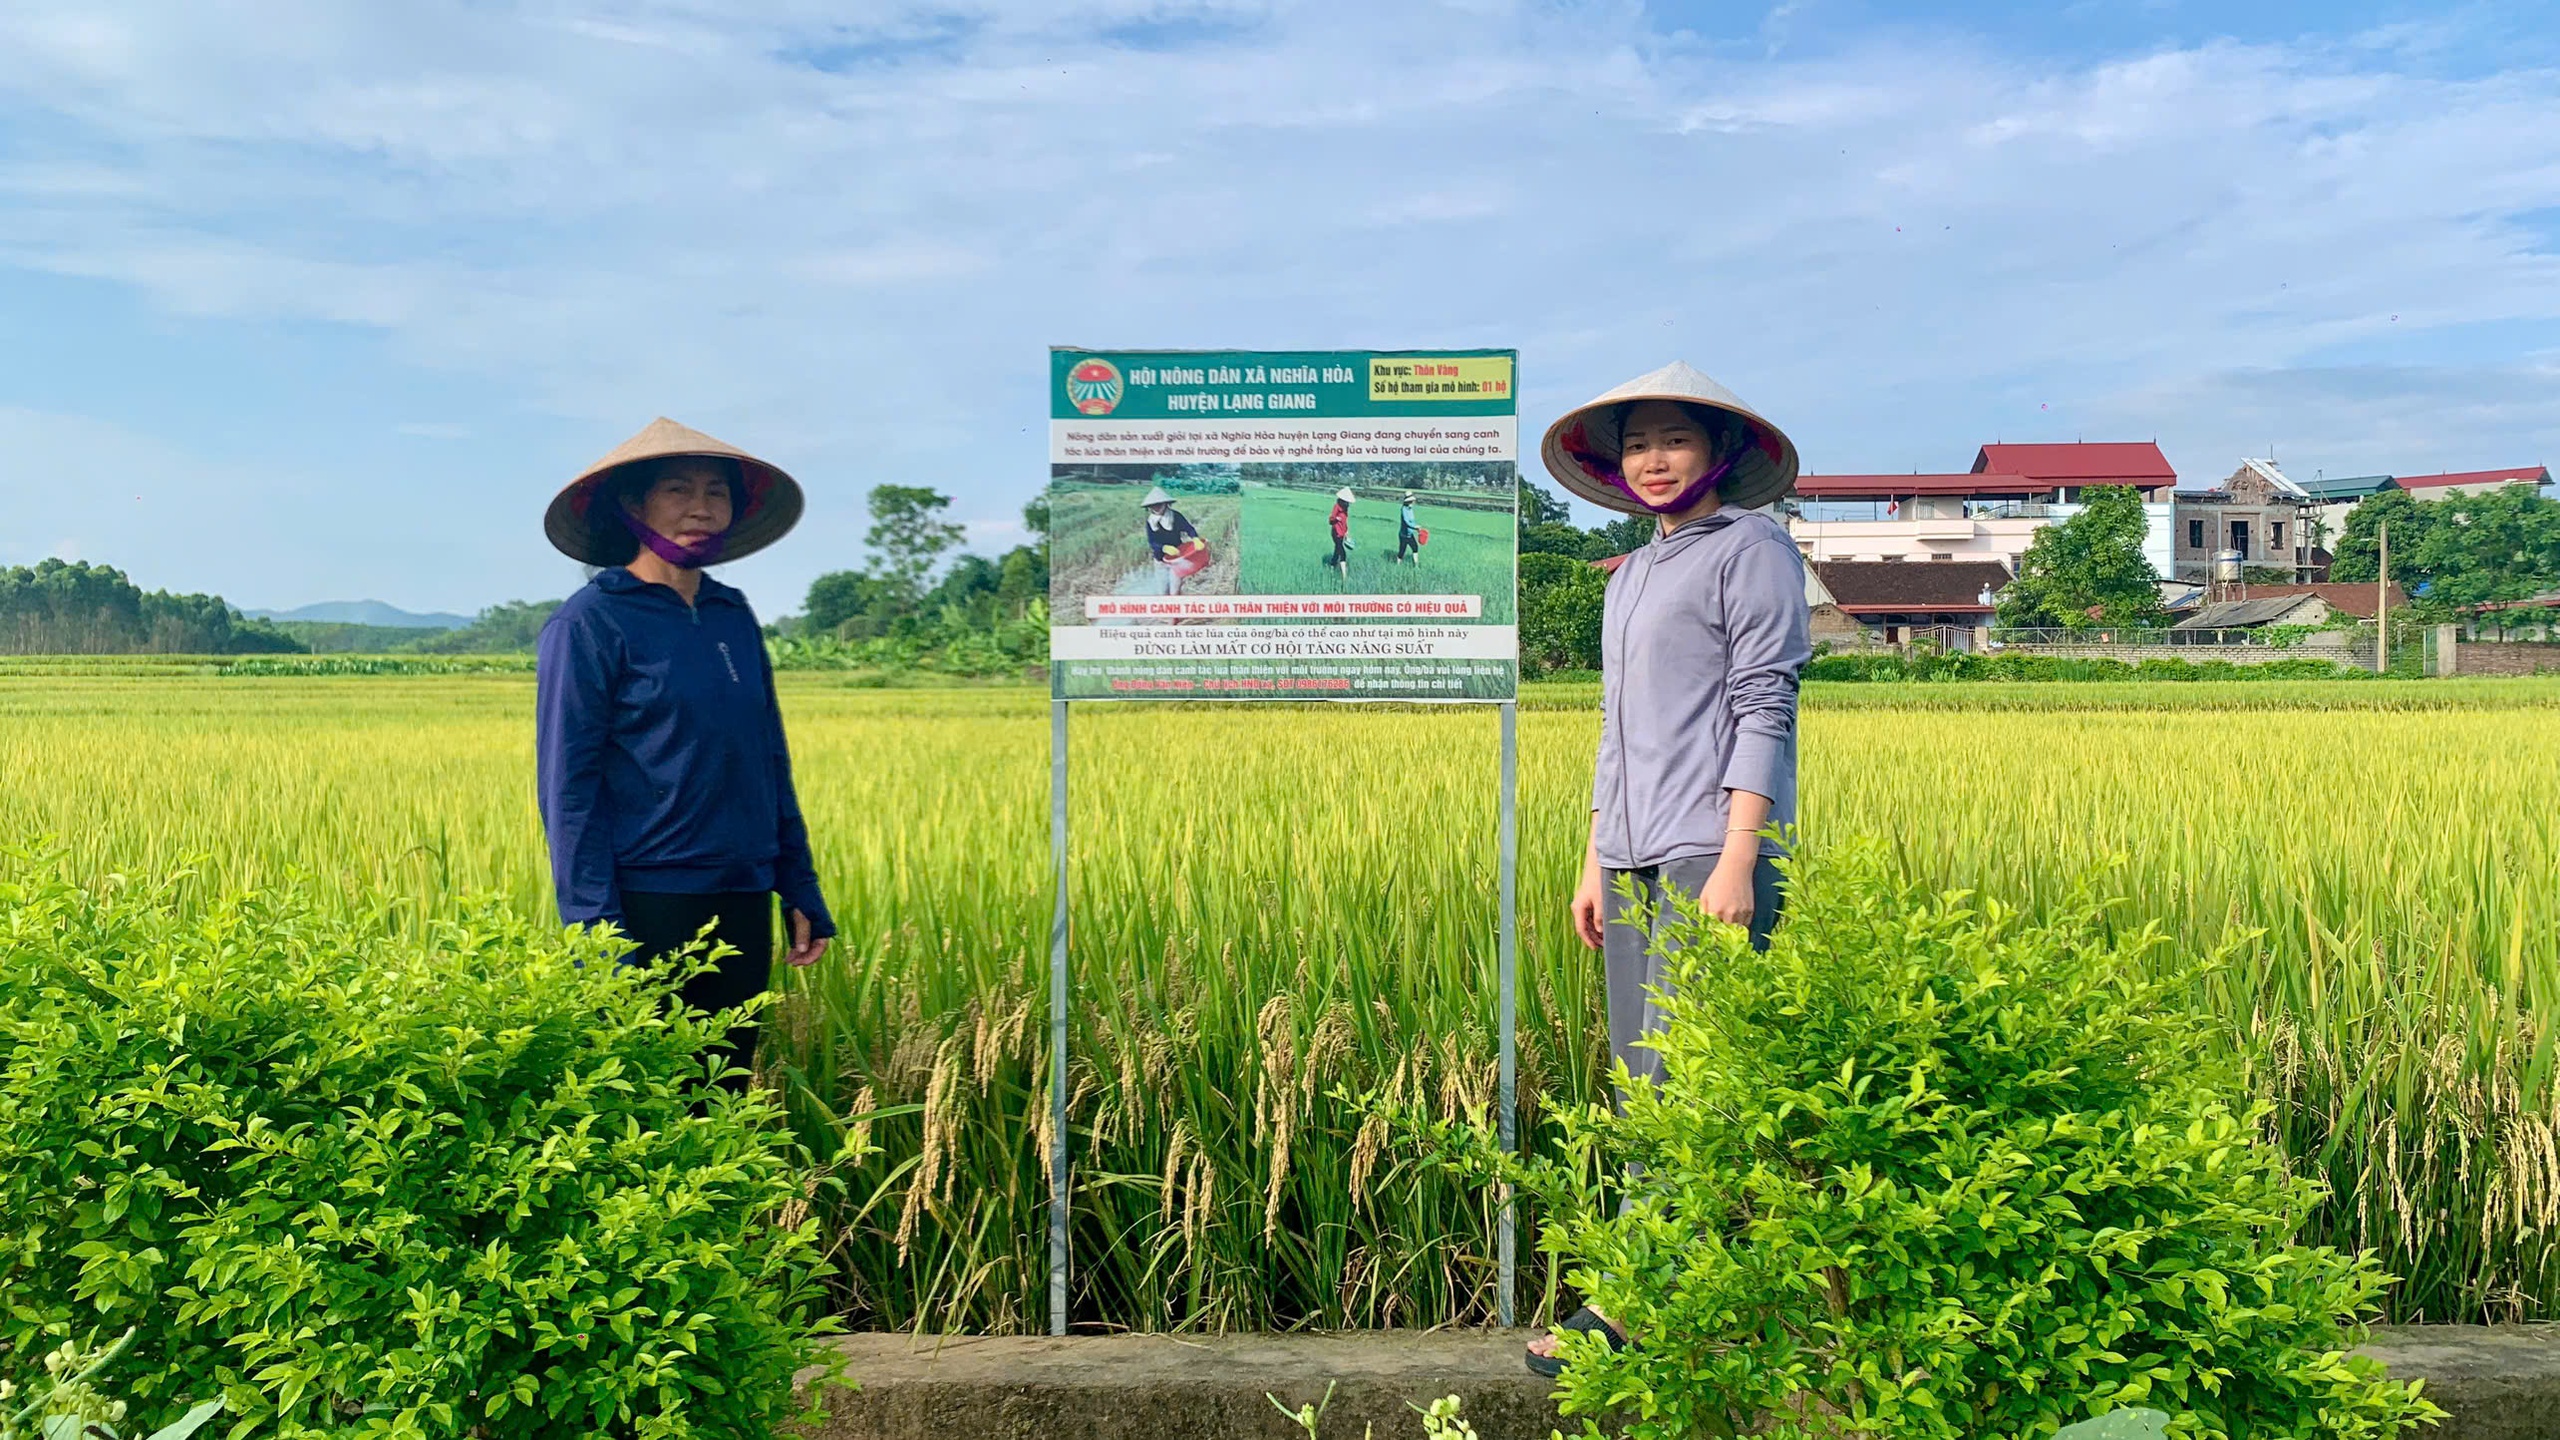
point(660, 752)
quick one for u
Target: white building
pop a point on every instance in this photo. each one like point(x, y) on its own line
point(1989, 513)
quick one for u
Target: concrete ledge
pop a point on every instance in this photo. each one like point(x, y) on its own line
point(1167, 1387)
point(2500, 1383)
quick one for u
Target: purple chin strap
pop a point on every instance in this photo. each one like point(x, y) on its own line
point(689, 557)
point(1577, 444)
point(1686, 498)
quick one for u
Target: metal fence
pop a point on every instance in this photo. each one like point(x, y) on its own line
point(2355, 646)
point(2328, 640)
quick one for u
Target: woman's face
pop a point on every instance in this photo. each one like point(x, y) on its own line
point(689, 503)
point(1159, 511)
point(1664, 452)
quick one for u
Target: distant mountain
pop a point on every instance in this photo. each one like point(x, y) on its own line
point(365, 612)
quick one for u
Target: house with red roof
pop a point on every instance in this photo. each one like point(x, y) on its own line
point(2472, 482)
point(1896, 604)
point(2080, 464)
point(1988, 514)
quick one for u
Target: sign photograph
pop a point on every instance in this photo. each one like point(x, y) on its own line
point(1283, 525)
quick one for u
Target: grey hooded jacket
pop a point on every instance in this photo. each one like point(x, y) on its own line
point(1701, 643)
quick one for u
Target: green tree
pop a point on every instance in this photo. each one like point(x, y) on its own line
point(908, 537)
point(1022, 577)
point(504, 628)
point(1560, 608)
point(850, 603)
point(2459, 551)
point(58, 607)
point(2089, 569)
point(1547, 538)
point(1540, 507)
point(2355, 555)
point(1627, 532)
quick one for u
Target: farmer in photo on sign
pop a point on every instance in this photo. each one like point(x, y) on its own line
point(1703, 636)
point(1173, 542)
point(666, 783)
point(1341, 522)
point(1409, 536)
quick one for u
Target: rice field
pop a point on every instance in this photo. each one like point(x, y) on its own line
point(1273, 903)
point(1288, 548)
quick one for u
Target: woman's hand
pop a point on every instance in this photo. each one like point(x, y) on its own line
point(1588, 899)
point(804, 950)
point(1728, 895)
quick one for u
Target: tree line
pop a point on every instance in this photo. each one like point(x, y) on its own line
point(912, 596)
point(896, 594)
point(509, 627)
point(63, 607)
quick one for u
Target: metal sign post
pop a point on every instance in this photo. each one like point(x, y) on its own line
point(1506, 949)
point(1214, 475)
point(1058, 1021)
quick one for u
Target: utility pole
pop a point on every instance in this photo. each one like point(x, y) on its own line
point(2382, 602)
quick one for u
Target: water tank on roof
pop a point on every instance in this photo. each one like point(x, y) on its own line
point(2226, 567)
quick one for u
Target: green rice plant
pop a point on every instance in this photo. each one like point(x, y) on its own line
point(1098, 545)
point(1273, 901)
point(1288, 546)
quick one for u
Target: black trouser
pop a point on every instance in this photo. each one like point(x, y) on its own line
point(664, 923)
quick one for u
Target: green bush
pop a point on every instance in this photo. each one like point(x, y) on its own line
point(305, 665)
point(1560, 610)
point(377, 1177)
point(1929, 1168)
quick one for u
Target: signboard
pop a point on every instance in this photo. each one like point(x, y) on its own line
point(1264, 525)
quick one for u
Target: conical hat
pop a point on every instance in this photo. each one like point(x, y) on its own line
point(1158, 496)
point(1581, 448)
point(768, 509)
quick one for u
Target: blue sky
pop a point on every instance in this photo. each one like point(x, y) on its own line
point(316, 301)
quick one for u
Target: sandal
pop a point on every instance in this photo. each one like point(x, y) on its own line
point(1587, 1320)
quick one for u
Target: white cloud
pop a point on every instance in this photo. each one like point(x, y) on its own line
point(894, 263)
point(847, 242)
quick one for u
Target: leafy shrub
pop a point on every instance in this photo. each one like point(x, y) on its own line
point(1929, 1168)
point(953, 646)
point(1560, 609)
point(368, 1176)
point(306, 665)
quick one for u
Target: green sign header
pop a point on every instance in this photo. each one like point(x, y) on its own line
point(1264, 384)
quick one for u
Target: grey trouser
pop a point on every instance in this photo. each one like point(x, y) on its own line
point(1627, 954)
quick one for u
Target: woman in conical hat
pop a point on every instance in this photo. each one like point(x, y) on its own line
point(1172, 541)
point(1703, 636)
point(665, 779)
